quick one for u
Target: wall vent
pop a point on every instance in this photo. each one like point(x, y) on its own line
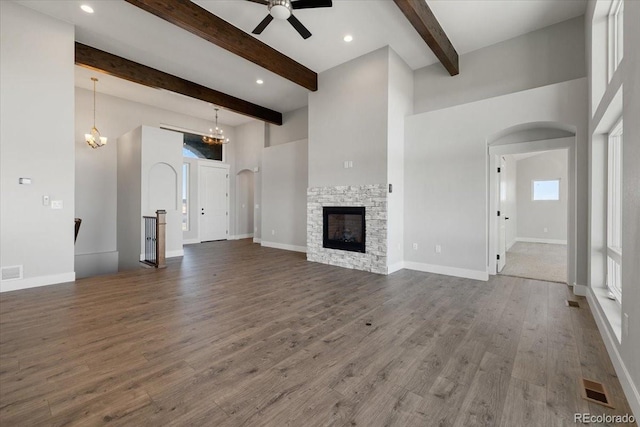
point(574, 304)
point(13, 272)
point(595, 392)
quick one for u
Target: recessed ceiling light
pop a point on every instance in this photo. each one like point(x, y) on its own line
point(86, 8)
point(348, 38)
point(259, 81)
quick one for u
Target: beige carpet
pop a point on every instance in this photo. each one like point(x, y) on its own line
point(540, 261)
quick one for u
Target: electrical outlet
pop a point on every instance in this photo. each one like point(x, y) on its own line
point(273, 232)
point(546, 230)
point(625, 325)
point(350, 163)
point(415, 246)
point(346, 164)
point(438, 249)
point(45, 200)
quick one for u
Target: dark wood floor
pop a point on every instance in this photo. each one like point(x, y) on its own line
point(236, 334)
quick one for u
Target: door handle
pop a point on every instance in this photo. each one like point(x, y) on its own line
point(506, 217)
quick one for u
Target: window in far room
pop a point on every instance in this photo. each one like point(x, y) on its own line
point(614, 212)
point(546, 190)
point(615, 30)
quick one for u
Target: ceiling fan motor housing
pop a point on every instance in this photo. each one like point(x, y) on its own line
point(280, 9)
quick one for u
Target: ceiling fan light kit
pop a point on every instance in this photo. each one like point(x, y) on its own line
point(280, 9)
point(283, 9)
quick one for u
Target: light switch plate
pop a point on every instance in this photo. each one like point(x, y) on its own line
point(56, 204)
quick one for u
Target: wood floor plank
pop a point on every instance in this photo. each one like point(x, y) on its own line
point(237, 334)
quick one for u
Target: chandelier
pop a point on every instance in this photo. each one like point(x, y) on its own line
point(93, 138)
point(216, 136)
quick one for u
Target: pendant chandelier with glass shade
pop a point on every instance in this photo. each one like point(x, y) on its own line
point(93, 138)
point(216, 136)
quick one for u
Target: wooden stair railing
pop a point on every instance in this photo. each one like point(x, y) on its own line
point(155, 239)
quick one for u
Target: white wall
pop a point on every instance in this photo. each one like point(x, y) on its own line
point(609, 99)
point(128, 198)
point(245, 189)
point(550, 55)
point(400, 106)
point(295, 127)
point(631, 201)
point(446, 177)
point(250, 140)
point(36, 141)
point(161, 171)
point(284, 192)
point(348, 121)
point(536, 216)
point(149, 178)
point(96, 172)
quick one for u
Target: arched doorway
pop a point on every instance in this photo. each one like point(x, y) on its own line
point(245, 213)
point(528, 142)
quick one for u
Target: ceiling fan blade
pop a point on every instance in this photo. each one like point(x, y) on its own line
point(262, 25)
point(262, 2)
point(309, 4)
point(299, 27)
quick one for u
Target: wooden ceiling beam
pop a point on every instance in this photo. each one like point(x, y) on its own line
point(426, 24)
point(199, 21)
point(117, 66)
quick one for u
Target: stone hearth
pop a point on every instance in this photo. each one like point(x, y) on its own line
point(374, 200)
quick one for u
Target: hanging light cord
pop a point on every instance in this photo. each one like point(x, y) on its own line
point(94, 100)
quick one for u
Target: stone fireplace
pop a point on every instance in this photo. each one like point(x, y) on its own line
point(335, 217)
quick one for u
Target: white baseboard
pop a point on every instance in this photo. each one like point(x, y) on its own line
point(534, 240)
point(190, 241)
point(257, 240)
point(580, 290)
point(175, 254)
point(34, 282)
point(241, 236)
point(96, 264)
point(628, 386)
point(284, 246)
point(395, 267)
point(447, 271)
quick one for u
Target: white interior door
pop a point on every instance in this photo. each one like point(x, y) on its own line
point(502, 226)
point(214, 202)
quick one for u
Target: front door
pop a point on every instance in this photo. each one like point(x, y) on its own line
point(214, 202)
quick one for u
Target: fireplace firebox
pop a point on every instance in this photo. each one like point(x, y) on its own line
point(343, 228)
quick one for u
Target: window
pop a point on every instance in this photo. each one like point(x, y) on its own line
point(194, 147)
point(616, 45)
point(546, 190)
point(185, 196)
point(614, 211)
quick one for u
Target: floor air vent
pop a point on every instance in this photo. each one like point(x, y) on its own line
point(595, 392)
point(573, 304)
point(12, 273)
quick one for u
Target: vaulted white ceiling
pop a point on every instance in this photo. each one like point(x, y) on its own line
point(124, 30)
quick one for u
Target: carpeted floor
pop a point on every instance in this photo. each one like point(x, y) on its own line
point(540, 261)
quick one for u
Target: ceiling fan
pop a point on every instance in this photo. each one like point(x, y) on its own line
point(283, 9)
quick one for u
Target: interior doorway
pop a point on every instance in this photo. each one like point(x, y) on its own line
point(213, 196)
point(245, 212)
point(532, 215)
point(519, 142)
